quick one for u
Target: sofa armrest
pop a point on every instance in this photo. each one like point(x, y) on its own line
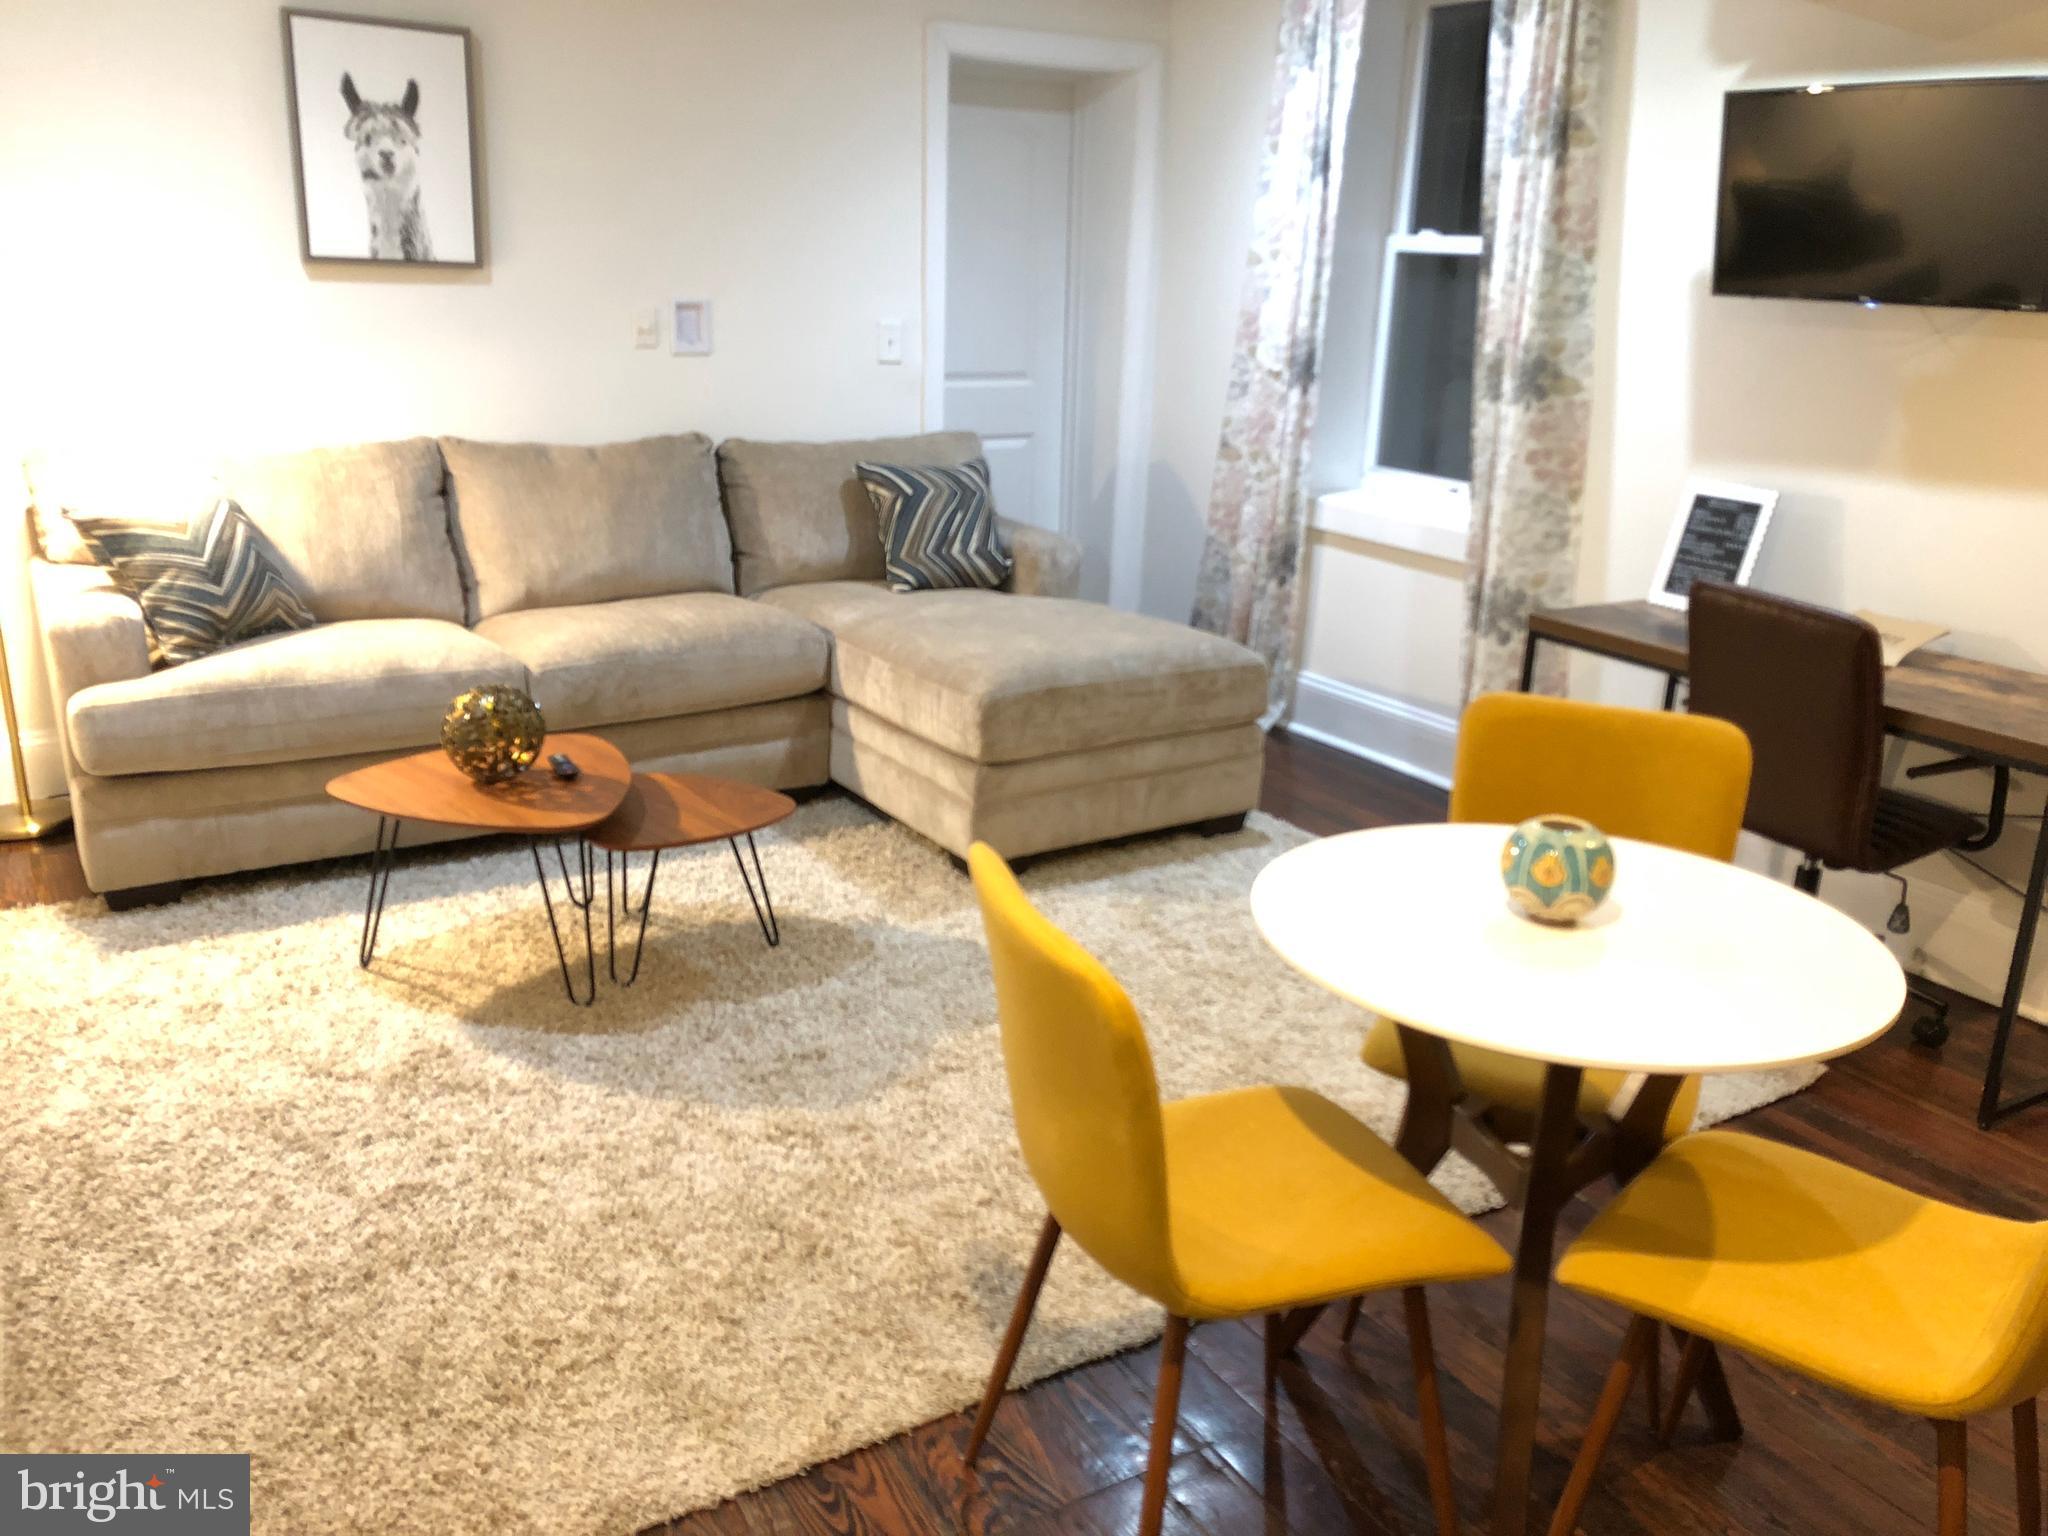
point(1046, 564)
point(92, 631)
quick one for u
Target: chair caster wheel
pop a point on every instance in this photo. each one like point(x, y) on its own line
point(1931, 1032)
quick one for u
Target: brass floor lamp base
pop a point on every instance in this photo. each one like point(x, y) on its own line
point(26, 829)
point(22, 827)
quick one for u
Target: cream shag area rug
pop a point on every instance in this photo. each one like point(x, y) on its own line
point(448, 1255)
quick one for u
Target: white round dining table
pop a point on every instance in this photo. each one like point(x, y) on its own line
point(1691, 966)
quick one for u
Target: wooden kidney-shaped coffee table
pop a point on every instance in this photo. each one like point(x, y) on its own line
point(678, 810)
point(428, 787)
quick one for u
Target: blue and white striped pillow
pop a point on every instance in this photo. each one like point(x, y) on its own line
point(202, 584)
point(938, 525)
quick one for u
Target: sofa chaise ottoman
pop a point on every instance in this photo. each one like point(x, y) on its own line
point(1032, 723)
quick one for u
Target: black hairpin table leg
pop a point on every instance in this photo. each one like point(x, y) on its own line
point(585, 879)
point(764, 906)
point(626, 910)
point(381, 860)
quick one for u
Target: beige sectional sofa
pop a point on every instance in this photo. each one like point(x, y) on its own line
point(714, 611)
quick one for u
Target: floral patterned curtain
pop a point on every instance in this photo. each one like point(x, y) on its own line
point(1532, 397)
point(1249, 586)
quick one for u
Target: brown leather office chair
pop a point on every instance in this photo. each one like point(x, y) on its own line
point(1806, 685)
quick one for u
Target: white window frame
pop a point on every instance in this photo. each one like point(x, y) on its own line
point(1428, 497)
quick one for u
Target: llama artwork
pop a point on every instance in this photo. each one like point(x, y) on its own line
point(383, 141)
point(387, 145)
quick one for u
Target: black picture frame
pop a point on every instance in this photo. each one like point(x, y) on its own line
point(329, 252)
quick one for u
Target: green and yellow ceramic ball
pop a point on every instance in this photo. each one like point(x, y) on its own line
point(1558, 869)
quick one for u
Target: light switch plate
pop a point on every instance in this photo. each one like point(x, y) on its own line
point(647, 330)
point(889, 341)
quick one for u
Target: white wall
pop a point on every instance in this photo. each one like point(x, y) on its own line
point(1107, 134)
point(767, 156)
point(1907, 443)
point(1219, 79)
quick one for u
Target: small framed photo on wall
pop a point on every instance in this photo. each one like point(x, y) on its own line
point(691, 334)
point(383, 140)
point(1715, 537)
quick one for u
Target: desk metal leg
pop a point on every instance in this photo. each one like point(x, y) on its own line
point(581, 894)
point(1549, 1188)
point(627, 911)
point(382, 857)
point(1670, 691)
point(1989, 1110)
point(771, 926)
point(1529, 662)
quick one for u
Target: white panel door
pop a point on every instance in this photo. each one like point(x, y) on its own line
point(1008, 197)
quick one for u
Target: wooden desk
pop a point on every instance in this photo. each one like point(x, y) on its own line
point(1996, 714)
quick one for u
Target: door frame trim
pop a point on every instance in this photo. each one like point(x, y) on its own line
point(1073, 53)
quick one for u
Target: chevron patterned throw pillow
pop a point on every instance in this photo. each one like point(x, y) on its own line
point(938, 525)
point(202, 584)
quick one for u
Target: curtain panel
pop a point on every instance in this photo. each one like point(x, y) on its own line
point(1532, 392)
point(1249, 585)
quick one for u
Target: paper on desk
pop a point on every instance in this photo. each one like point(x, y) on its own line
point(1900, 637)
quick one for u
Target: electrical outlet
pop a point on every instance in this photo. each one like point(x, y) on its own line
point(647, 330)
point(889, 341)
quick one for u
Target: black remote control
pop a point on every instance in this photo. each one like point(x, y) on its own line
point(564, 765)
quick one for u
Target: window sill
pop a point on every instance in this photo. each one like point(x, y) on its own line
point(1416, 514)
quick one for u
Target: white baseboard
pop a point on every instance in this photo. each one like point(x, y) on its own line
point(1408, 738)
point(44, 757)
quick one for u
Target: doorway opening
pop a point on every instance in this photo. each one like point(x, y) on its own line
point(1042, 154)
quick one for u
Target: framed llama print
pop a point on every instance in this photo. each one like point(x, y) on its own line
point(383, 140)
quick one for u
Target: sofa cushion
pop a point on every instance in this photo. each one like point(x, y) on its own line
point(999, 678)
point(545, 527)
point(798, 510)
point(646, 658)
point(361, 531)
point(362, 685)
point(834, 605)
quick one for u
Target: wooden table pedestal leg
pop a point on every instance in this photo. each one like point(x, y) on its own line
point(1557, 1131)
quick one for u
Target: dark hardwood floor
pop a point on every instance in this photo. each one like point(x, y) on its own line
point(1335, 1448)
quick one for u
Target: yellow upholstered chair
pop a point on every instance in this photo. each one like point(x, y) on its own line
point(1234, 1204)
point(1837, 1275)
point(1679, 780)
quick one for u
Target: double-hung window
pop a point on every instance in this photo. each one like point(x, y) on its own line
point(1422, 392)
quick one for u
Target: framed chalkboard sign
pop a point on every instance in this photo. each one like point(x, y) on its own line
point(1715, 538)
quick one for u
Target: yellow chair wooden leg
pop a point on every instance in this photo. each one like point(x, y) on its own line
point(1351, 1318)
point(1165, 1418)
point(1653, 1380)
point(1952, 1437)
point(2026, 1465)
point(1642, 1334)
point(1429, 1408)
point(1013, 1340)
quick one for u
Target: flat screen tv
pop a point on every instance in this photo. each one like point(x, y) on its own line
point(1924, 192)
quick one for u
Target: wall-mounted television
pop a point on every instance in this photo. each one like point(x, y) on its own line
point(1920, 192)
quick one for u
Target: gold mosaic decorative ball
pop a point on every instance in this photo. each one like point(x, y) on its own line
point(493, 733)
